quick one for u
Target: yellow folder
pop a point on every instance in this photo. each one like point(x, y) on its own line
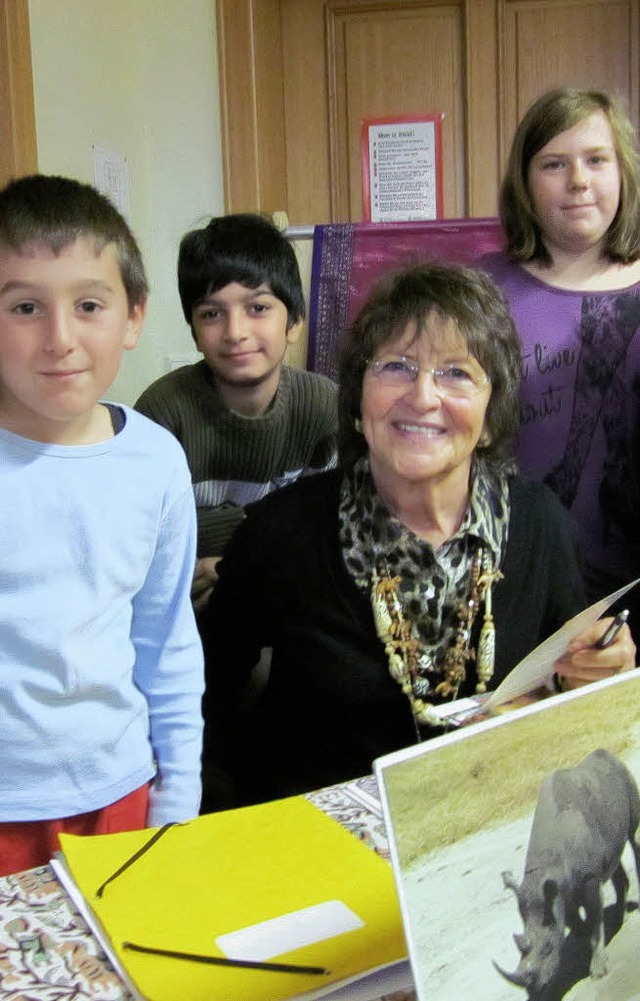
point(225, 872)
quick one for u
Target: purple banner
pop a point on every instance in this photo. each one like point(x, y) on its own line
point(349, 257)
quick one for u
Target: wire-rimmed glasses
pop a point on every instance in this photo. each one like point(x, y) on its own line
point(459, 380)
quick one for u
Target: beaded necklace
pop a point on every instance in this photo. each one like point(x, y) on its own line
point(408, 661)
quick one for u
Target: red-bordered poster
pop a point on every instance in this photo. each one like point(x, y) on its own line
point(402, 168)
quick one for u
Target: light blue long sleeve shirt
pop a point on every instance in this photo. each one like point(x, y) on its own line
point(101, 672)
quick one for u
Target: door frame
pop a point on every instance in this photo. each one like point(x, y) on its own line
point(18, 149)
point(251, 104)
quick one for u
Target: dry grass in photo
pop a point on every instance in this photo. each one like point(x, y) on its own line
point(495, 774)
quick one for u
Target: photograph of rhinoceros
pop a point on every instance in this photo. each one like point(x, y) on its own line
point(516, 849)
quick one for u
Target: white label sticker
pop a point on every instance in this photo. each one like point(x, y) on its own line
point(289, 931)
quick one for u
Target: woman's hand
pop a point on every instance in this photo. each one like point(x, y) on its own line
point(584, 662)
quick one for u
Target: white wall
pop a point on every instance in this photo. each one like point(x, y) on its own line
point(139, 77)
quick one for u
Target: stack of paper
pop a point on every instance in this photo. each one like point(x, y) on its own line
point(319, 897)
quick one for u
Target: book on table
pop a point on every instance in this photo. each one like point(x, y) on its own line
point(295, 901)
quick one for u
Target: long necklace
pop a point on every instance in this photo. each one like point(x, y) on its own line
point(405, 653)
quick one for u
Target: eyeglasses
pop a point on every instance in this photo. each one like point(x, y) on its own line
point(454, 380)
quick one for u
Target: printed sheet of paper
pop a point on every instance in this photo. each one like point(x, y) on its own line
point(537, 668)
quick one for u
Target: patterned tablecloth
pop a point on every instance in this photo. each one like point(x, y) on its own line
point(47, 952)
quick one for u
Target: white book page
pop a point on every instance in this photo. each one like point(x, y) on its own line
point(537, 668)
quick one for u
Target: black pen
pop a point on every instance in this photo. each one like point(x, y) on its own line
point(247, 964)
point(612, 630)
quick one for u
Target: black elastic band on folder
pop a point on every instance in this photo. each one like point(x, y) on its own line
point(134, 858)
point(248, 964)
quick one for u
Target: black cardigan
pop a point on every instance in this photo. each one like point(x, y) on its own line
point(330, 706)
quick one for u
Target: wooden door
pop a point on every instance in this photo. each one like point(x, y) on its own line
point(388, 59)
point(576, 42)
point(297, 77)
point(17, 120)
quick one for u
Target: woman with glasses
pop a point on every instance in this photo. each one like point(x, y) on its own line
point(420, 571)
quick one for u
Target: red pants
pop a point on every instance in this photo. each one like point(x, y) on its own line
point(28, 843)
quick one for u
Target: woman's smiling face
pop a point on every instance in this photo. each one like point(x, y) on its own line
point(417, 432)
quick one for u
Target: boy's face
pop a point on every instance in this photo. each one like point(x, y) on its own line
point(64, 323)
point(242, 333)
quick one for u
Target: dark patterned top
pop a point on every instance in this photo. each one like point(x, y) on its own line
point(581, 412)
point(434, 583)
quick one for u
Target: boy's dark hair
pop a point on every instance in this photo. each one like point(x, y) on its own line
point(410, 296)
point(244, 248)
point(553, 113)
point(56, 211)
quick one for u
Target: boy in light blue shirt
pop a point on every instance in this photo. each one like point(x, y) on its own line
point(100, 660)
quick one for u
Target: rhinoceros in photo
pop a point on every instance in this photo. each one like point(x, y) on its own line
point(582, 821)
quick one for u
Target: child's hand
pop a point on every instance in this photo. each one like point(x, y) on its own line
point(204, 578)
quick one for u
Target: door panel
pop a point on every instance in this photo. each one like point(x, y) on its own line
point(306, 111)
point(392, 62)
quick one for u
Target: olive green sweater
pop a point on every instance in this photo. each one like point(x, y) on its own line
point(235, 460)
